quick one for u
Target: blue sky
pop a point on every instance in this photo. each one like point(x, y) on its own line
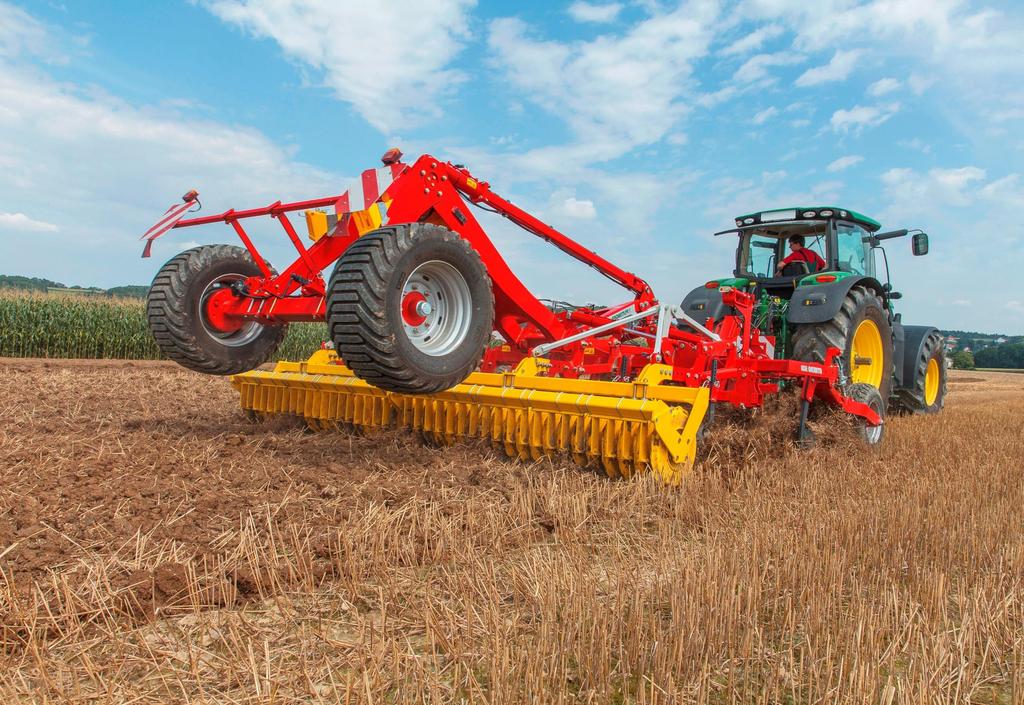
point(639, 128)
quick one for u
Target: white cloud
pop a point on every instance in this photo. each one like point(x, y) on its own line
point(594, 12)
point(577, 209)
point(883, 86)
point(21, 34)
point(1007, 191)
point(916, 143)
point(756, 67)
point(713, 99)
point(919, 84)
point(837, 69)
point(728, 197)
point(845, 162)
point(389, 60)
point(861, 116)
point(97, 172)
point(614, 92)
point(753, 41)
point(765, 115)
point(974, 50)
point(19, 222)
point(912, 192)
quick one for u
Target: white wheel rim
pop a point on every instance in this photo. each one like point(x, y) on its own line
point(873, 434)
point(436, 308)
point(235, 339)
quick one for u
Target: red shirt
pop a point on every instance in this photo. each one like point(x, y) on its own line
point(806, 254)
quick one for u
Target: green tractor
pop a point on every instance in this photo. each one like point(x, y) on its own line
point(832, 295)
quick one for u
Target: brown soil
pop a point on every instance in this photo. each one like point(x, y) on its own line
point(102, 457)
point(156, 547)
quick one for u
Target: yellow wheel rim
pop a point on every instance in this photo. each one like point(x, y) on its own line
point(867, 355)
point(931, 382)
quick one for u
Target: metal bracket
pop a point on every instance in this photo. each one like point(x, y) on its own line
point(661, 333)
point(665, 314)
point(678, 312)
point(545, 348)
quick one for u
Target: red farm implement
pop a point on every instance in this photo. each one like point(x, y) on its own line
point(433, 331)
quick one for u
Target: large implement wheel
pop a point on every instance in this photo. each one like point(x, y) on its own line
point(861, 330)
point(926, 391)
point(410, 308)
point(184, 324)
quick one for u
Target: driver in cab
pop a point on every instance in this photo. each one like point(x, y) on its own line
point(799, 253)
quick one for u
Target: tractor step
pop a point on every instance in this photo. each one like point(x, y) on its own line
point(621, 428)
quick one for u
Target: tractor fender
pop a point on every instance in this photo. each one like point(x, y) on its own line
point(703, 303)
point(818, 303)
point(906, 366)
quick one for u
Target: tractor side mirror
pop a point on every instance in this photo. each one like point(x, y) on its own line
point(919, 244)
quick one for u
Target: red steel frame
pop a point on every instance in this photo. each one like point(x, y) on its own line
point(734, 360)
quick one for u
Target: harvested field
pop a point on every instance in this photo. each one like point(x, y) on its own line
point(157, 547)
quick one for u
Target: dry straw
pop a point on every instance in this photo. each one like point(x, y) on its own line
point(158, 548)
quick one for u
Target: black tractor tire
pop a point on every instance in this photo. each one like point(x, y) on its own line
point(176, 319)
point(811, 341)
point(365, 301)
point(913, 399)
point(868, 394)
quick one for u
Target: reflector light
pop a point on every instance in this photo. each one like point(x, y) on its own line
point(711, 285)
point(825, 278)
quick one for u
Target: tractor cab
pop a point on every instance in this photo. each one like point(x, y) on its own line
point(840, 237)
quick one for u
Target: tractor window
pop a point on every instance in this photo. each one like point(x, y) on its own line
point(851, 255)
point(816, 242)
point(762, 255)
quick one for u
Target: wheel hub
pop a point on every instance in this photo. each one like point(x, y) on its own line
point(415, 308)
point(214, 316)
point(436, 307)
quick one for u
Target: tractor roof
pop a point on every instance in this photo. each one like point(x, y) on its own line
point(809, 213)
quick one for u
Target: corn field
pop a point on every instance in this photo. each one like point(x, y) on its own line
point(56, 326)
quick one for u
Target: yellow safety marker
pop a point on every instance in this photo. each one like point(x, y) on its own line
point(316, 224)
point(620, 427)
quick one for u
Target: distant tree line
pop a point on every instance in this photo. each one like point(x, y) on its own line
point(976, 341)
point(14, 281)
point(1007, 355)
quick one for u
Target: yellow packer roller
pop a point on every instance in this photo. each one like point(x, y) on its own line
point(619, 427)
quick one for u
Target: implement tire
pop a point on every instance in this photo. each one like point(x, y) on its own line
point(926, 393)
point(869, 395)
point(410, 308)
point(861, 331)
point(175, 311)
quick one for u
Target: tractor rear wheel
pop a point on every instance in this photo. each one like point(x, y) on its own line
point(861, 331)
point(926, 393)
point(176, 308)
point(410, 308)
